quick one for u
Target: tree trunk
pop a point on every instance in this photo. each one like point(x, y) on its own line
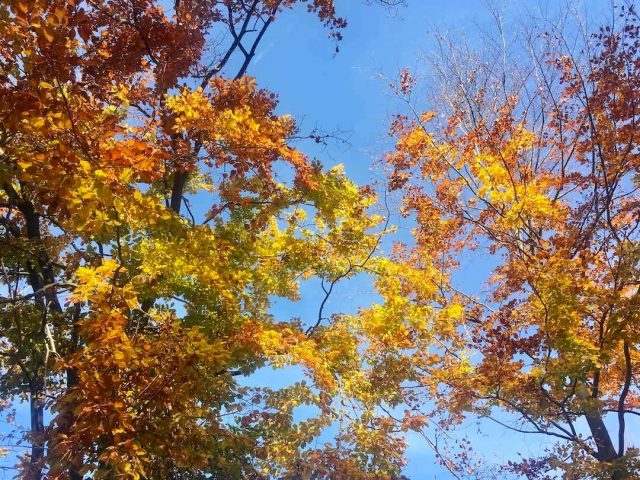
point(42, 280)
point(606, 451)
point(72, 381)
point(36, 409)
point(179, 181)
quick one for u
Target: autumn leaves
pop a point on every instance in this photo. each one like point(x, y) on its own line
point(532, 161)
point(119, 122)
point(158, 314)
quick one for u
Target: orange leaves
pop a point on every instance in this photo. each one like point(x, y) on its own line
point(142, 37)
point(484, 175)
point(137, 159)
point(22, 7)
point(69, 148)
point(110, 163)
point(127, 381)
point(238, 127)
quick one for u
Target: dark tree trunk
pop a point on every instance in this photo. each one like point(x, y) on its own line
point(606, 451)
point(42, 280)
point(36, 409)
point(179, 181)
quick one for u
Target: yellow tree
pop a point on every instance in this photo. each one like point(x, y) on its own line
point(129, 317)
point(531, 155)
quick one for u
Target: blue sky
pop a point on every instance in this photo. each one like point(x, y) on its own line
point(348, 92)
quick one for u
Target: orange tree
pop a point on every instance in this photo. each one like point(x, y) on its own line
point(128, 318)
point(531, 155)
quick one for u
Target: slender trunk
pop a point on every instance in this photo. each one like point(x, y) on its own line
point(36, 409)
point(38, 277)
point(42, 279)
point(72, 381)
point(606, 450)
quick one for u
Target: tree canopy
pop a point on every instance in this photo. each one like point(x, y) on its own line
point(126, 318)
point(155, 204)
point(531, 155)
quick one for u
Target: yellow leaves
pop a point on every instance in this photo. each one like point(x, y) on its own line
point(46, 122)
point(37, 122)
point(385, 324)
point(200, 258)
point(207, 290)
point(239, 128)
point(560, 286)
point(286, 346)
point(96, 196)
point(92, 281)
point(405, 317)
point(189, 106)
point(97, 285)
point(415, 145)
point(121, 93)
point(505, 179)
point(402, 279)
point(448, 320)
point(120, 358)
point(101, 175)
point(25, 165)
point(342, 210)
point(61, 15)
point(416, 141)
point(532, 204)
point(271, 342)
point(339, 344)
point(453, 311)
point(45, 85)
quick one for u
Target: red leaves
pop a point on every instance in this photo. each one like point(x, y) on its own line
point(406, 82)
